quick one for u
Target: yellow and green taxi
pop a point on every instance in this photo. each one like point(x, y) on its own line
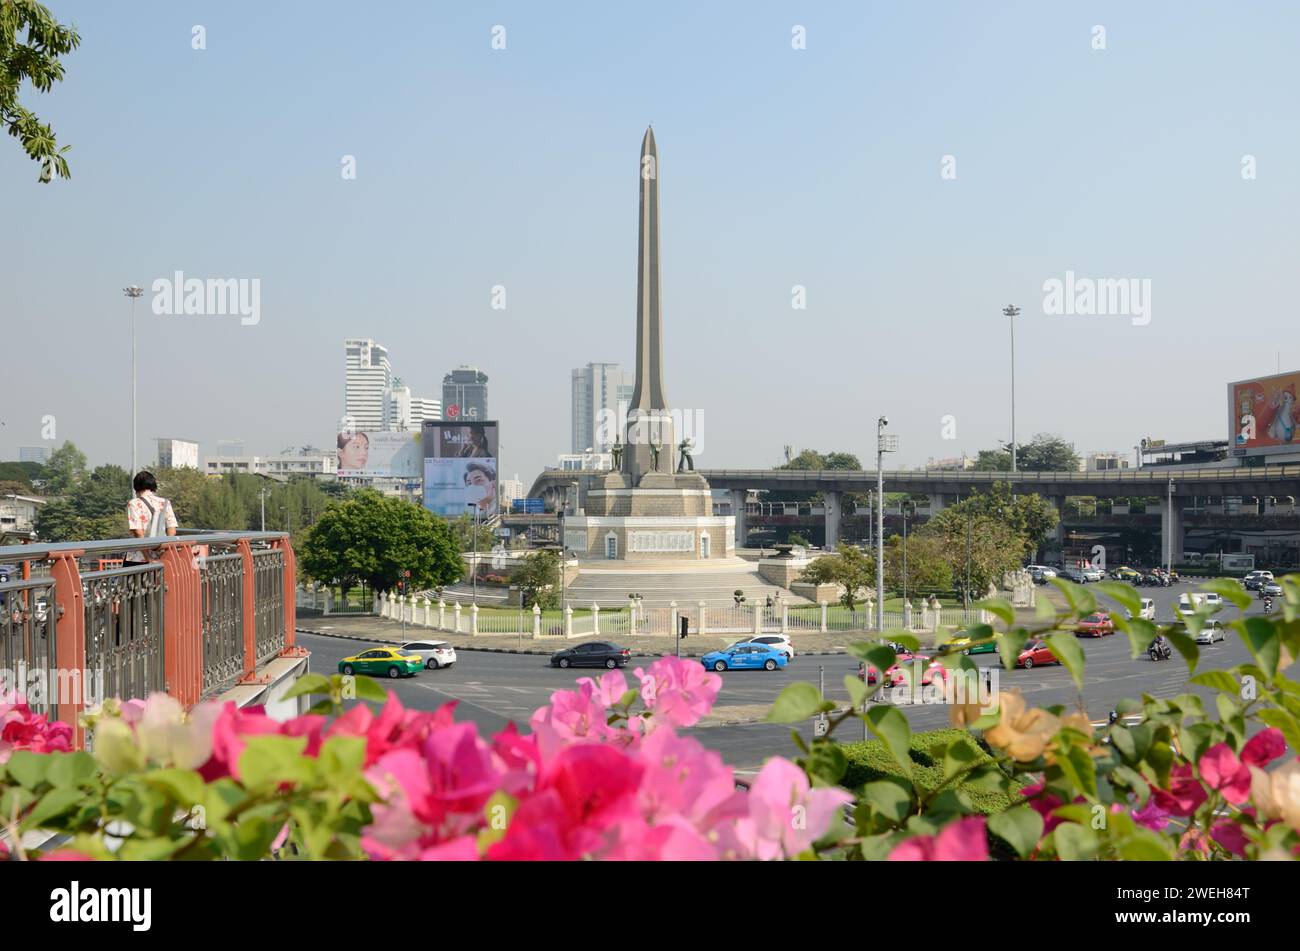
point(1125, 573)
point(961, 644)
point(385, 661)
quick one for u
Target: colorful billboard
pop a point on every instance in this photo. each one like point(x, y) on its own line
point(379, 454)
point(1262, 415)
point(460, 468)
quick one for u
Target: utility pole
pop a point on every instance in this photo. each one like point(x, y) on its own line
point(473, 571)
point(906, 505)
point(1011, 311)
point(965, 597)
point(135, 293)
point(884, 444)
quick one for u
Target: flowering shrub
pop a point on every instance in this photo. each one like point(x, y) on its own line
point(602, 775)
point(603, 772)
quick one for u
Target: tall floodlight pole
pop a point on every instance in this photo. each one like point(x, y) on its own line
point(884, 444)
point(135, 293)
point(1169, 530)
point(473, 570)
point(1011, 311)
point(906, 505)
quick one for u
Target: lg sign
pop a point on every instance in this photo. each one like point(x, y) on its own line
point(453, 411)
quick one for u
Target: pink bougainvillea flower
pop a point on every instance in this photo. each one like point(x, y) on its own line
point(1229, 834)
point(232, 724)
point(1221, 770)
point(786, 814)
point(960, 841)
point(1151, 816)
point(20, 729)
point(609, 690)
point(392, 728)
point(685, 780)
point(65, 855)
point(1264, 747)
point(1185, 794)
point(677, 692)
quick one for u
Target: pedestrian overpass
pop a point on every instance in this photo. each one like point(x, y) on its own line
point(204, 616)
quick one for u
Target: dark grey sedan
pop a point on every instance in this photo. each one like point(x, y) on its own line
point(593, 654)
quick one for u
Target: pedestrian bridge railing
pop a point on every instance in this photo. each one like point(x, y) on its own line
point(194, 615)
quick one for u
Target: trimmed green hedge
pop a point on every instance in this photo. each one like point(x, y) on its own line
point(870, 761)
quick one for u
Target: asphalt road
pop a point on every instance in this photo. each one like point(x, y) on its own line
point(493, 689)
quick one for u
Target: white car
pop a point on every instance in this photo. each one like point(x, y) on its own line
point(1043, 570)
point(1093, 573)
point(1146, 610)
point(1212, 631)
point(778, 641)
point(435, 654)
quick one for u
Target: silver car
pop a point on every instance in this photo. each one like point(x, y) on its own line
point(1212, 630)
point(435, 654)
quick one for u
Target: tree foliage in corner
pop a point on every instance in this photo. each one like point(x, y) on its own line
point(538, 579)
point(851, 568)
point(35, 59)
point(373, 539)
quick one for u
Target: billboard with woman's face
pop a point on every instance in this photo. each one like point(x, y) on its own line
point(460, 468)
point(379, 454)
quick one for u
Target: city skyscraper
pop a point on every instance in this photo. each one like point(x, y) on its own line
point(464, 394)
point(404, 411)
point(369, 376)
point(598, 387)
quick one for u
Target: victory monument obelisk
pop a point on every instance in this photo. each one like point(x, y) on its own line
point(644, 510)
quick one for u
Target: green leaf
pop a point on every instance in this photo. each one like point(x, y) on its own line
point(857, 690)
point(889, 799)
point(1144, 845)
point(1082, 603)
point(1065, 647)
point(999, 607)
point(958, 756)
point(1080, 768)
point(797, 702)
point(308, 683)
point(367, 689)
point(1141, 633)
point(1217, 680)
point(1010, 645)
point(1185, 644)
point(70, 769)
point(891, 726)
point(881, 657)
point(54, 803)
point(1230, 590)
point(271, 760)
point(1261, 637)
point(1074, 843)
point(1125, 594)
point(1021, 826)
point(183, 786)
point(28, 769)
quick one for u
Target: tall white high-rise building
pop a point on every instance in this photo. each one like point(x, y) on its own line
point(369, 377)
point(597, 388)
point(404, 411)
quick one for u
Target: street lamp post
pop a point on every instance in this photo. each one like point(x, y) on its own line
point(965, 595)
point(1169, 529)
point(135, 293)
point(884, 444)
point(473, 569)
point(907, 504)
point(1011, 311)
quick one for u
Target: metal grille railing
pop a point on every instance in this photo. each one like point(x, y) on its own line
point(221, 581)
point(804, 618)
point(268, 603)
point(27, 641)
point(123, 624)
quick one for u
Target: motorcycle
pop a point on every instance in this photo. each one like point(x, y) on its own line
point(1159, 650)
point(1268, 605)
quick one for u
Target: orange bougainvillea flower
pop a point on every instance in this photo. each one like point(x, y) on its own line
point(1024, 733)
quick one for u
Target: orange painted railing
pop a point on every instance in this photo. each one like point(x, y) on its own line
point(179, 614)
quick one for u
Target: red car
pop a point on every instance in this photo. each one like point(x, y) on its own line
point(895, 675)
point(1035, 654)
point(1095, 625)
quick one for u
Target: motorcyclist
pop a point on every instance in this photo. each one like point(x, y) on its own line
point(1268, 603)
point(1160, 649)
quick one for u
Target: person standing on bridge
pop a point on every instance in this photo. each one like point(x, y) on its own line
point(148, 515)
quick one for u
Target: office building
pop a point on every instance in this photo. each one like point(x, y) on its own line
point(464, 394)
point(368, 378)
point(598, 391)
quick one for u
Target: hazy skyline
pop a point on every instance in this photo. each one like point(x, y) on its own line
point(820, 167)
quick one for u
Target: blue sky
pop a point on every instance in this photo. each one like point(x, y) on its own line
point(818, 167)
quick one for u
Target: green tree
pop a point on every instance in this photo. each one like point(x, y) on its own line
point(796, 539)
point(64, 469)
point(92, 507)
point(538, 579)
point(1047, 453)
point(374, 539)
point(22, 473)
point(994, 460)
point(464, 531)
point(993, 547)
point(35, 59)
point(1031, 517)
point(182, 488)
point(851, 568)
point(217, 507)
point(929, 568)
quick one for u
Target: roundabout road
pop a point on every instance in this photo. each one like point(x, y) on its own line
point(494, 689)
